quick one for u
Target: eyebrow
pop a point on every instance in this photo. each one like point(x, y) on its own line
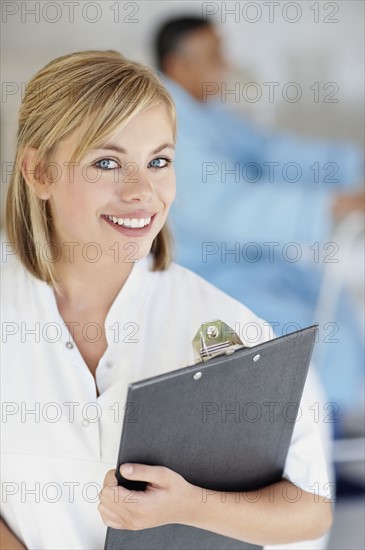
point(114, 147)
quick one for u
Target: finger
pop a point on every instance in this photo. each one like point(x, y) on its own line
point(110, 519)
point(110, 479)
point(156, 475)
point(121, 495)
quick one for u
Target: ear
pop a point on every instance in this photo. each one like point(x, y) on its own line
point(34, 175)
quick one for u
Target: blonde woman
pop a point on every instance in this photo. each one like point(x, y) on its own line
point(93, 301)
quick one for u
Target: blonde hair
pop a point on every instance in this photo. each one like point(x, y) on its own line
point(107, 90)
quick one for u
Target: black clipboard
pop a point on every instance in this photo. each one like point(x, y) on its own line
point(224, 424)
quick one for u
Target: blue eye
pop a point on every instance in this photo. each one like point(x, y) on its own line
point(105, 164)
point(157, 160)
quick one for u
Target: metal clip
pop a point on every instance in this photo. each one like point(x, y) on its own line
point(215, 338)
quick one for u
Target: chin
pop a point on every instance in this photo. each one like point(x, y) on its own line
point(134, 251)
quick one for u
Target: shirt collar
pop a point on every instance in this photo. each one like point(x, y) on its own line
point(131, 292)
point(128, 296)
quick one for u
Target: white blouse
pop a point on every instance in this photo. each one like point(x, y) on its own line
point(58, 438)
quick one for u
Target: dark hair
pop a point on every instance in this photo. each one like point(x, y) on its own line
point(171, 33)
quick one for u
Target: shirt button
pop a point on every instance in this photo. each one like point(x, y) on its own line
point(108, 364)
point(69, 345)
point(85, 423)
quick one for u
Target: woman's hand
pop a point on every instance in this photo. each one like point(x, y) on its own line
point(267, 516)
point(168, 498)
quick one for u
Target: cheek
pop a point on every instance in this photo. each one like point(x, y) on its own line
point(76, 202)
point(168, 193)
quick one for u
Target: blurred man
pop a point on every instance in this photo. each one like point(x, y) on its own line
point(254, 209)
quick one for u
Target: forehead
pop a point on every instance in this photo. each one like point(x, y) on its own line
point(157, 115)
point(145, 127)
point(204, 37)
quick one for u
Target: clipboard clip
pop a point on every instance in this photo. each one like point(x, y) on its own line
point(215, 338)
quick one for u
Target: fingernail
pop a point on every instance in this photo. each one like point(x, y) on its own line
point(126, 469)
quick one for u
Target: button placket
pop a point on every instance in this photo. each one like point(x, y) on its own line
point(81, 375)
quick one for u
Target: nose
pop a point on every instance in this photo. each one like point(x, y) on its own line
point(135, 185)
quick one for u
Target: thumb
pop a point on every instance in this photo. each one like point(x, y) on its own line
point(156, 475)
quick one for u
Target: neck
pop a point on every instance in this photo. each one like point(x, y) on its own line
point(88, 285)
point(185, 84)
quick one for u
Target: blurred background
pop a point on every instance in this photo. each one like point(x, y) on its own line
point(299, 71)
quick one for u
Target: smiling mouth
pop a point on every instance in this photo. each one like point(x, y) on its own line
point(135, 223)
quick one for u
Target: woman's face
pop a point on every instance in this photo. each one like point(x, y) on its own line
point(117, 196)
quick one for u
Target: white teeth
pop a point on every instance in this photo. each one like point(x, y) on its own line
point(130, 222)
